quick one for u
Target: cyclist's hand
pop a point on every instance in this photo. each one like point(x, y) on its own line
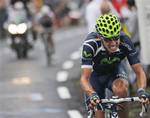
point(94, 100)
point(145, 97)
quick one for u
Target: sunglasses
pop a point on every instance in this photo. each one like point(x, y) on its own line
point(111, 39)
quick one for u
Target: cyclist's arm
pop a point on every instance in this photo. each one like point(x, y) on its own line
point(88, 50)
point(140, 75)
point(134, 61)
point(141, 82)
point(84, 81)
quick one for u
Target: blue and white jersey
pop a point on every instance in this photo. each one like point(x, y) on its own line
point(96, 57)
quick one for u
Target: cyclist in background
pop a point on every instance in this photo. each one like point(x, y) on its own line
point(42, 17)
point(102, 55)
point(132, 24)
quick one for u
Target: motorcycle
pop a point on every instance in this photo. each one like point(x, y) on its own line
point(19, 38)
point(17, 26)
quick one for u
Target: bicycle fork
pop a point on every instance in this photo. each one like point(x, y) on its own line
point(114, 115)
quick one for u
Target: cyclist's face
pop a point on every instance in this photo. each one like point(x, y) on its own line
point(111, 44)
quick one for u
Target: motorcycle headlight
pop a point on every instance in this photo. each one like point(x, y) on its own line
point(21, 29)
point(12, 28)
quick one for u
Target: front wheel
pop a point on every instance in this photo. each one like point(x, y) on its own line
point(21, 53)
point(18, 53)
point(25, 53)
point(113, 115)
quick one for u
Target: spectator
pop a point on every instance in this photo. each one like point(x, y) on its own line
point(91, 14)
point(105, 7)
point(3, 17)
point(118, 4)
point(132, 23)
point(133, 28)
point(93, 11)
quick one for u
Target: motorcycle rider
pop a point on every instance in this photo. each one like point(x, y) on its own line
point(16, 13)
point(25, 3)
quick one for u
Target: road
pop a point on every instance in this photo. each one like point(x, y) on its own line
point(28, 88)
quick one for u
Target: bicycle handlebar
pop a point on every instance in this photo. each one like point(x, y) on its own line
point(116, 100)
point(127, 99)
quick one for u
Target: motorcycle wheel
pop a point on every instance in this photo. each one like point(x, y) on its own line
point(22, 53)
point(19, 54)
point(25, 53)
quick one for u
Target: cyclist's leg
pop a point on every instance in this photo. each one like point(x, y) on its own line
point(51, 42)
point(34, 34)
point(98, 83)
point(119, 86)
point(99, 114)
point(120, 82)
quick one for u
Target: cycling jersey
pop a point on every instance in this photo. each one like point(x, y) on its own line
point(95, 56)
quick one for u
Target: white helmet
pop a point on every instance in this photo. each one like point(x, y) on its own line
point(19, 5)
point(45, 10)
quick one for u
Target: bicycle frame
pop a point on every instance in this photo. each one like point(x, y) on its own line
point(112, 104)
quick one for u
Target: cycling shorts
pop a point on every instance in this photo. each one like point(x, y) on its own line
point(101, 82)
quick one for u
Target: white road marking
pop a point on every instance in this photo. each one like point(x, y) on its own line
point(75, 55)
point(68, 64)
point(63, 92)
point(74, 114)
point(62, 76)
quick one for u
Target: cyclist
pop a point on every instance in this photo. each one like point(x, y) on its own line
point(42, 19)
point(102, 55)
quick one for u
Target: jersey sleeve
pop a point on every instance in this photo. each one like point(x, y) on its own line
point(87, 55)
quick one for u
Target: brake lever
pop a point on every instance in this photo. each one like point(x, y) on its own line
point(144, 110)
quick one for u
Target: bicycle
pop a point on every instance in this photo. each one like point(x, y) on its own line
point(46, 35)
point(112, 106)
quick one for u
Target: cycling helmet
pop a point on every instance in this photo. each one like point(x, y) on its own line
point(108, 26)
point(19, 5)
